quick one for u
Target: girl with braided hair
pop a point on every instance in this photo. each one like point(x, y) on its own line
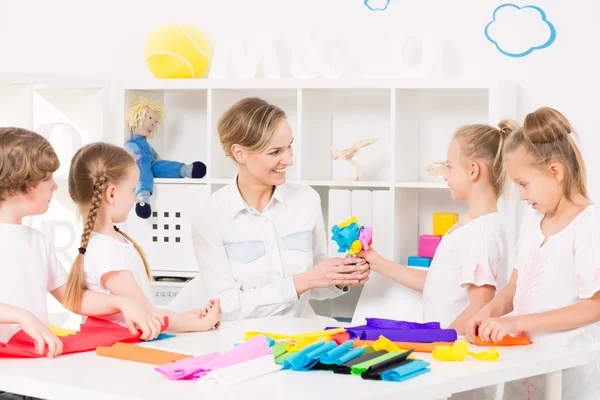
point(102, 182)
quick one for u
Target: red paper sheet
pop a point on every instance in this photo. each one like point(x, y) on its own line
point(94, 332)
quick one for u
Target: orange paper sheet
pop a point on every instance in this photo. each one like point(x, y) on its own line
point(506, 341)
point(418, 347)
point(146, 355)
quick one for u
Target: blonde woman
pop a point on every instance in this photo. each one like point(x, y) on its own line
point(261, 242)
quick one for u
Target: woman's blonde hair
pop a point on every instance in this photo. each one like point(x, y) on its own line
point(484, 143)
point(547, 136)
point(250, 123)
point(138, 111)
point(93, 168)
point(26, 159)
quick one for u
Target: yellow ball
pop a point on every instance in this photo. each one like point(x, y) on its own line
point(177, 51)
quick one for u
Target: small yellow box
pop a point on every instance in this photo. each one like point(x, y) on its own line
point(442, 222)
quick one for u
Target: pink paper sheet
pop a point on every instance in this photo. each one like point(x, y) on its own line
point(197, 367)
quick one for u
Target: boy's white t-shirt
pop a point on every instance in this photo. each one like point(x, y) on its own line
point(28, 271)
point(556, 275)
point(471, 254)
point(105, 254)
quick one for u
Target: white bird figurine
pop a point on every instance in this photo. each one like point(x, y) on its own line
point(437, 168)
point(349, 153)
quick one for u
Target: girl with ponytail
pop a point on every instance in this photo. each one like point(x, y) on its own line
point(554, 290)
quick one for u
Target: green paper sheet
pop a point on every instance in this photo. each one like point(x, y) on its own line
point(278, 349)
point(284, 357)
point(362, 367)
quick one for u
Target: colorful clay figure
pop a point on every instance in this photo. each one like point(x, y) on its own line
point(142, 118)
point(350, 236)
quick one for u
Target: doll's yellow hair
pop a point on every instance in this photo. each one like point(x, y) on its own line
point(139, 110)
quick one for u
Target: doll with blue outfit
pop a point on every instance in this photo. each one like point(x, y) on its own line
point(142, 118)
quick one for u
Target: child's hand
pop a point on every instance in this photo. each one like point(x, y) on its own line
point(150, 322)
point(212, 318)
point(151, 325)
point(201, 312)
point(373, 258)
point(473, 324)
point(472, 328)
point(215, 313)
point(494, 329)
point(41, 335)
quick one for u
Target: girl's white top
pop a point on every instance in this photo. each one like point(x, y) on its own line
point(470, 255)
point(105, 254)
point(555, 275)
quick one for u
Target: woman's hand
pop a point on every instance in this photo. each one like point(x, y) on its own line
point(330, 272)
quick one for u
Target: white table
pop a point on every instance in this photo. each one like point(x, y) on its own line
point(90, 376)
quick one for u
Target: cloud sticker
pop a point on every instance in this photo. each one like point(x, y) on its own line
point(377, 5)
point(518, 31)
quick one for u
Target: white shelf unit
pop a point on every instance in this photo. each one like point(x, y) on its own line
point(412, 120)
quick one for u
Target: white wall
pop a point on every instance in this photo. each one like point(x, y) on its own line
point(106, 39)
